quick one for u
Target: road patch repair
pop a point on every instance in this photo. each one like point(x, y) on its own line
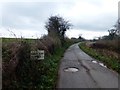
point(79, 70)
point(71, 69)
point(101, 64)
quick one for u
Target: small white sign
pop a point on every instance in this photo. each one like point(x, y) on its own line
point(41, 54)
point(37, 55)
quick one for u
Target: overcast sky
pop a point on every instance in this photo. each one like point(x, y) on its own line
point(91, 18)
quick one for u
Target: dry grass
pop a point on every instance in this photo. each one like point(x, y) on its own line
point(46, 43)
point(17, 65)
point(108, 53)
point(109, 58)
point(13, 54)
point(108, 44)
point(109, 48)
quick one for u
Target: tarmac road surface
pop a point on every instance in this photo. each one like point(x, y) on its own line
point(79, 70)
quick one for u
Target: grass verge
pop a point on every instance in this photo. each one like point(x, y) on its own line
point(51, 66)
point(21, 72)
point(111, 62)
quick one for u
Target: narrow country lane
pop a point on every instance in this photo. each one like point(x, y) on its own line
point(79, 70)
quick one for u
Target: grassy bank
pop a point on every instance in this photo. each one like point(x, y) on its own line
point(51, 64)
point(20, 71)
point(111, 62)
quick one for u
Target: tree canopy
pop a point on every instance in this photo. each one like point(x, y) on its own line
point(57, 26)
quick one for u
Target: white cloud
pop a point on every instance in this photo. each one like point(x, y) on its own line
point(85, 34)
point(87, 16)
point(26, 33)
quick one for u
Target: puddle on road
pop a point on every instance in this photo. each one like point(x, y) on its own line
point(101, 64)
point(71, 69)
point(94, 61)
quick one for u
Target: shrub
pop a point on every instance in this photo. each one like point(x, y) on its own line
point(20, 71)
point(108, 44)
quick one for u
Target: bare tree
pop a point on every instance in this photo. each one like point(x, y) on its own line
point(115, 31)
